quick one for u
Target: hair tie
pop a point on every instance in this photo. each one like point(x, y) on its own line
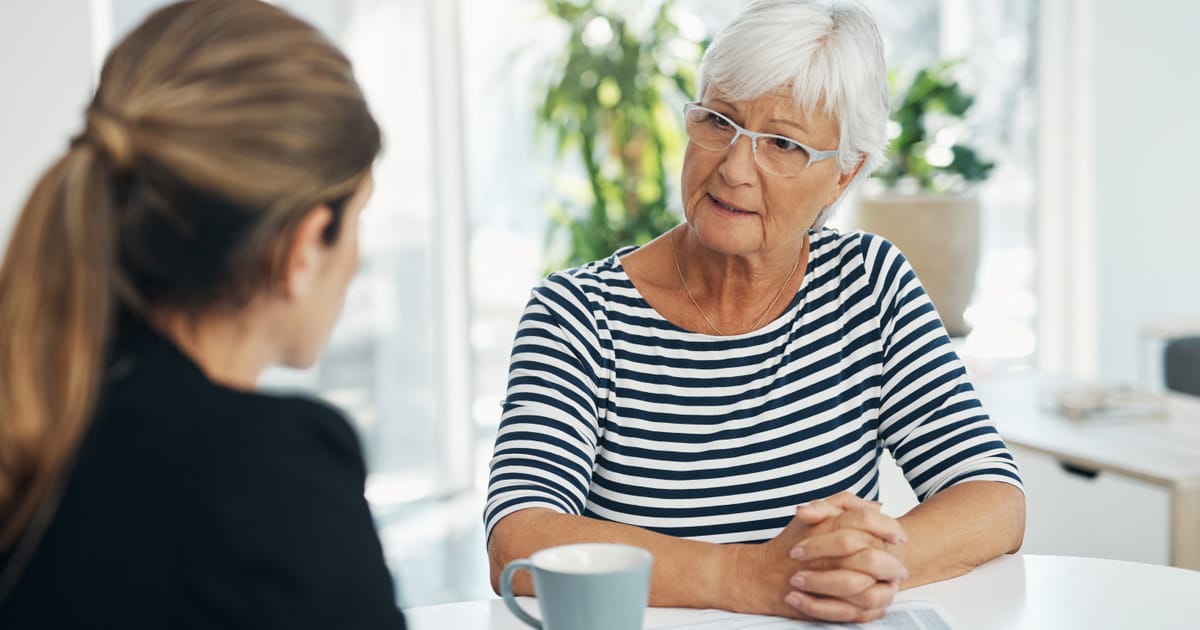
point(111, 136)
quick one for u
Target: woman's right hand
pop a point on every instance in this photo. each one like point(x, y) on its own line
point(849, 575)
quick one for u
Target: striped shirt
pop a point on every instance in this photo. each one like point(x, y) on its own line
point(615, 413)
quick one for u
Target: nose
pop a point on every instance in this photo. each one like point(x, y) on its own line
point(739, 166)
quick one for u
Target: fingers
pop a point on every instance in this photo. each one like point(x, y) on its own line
point(840, 583)
point(840, 595)
point(830, 609)
point(854, 587)
point(873, 522)
point(816, 511)
point(835, 544)
point(884, 566)
point(848, 575)
point(851, 501)
point(876, 563)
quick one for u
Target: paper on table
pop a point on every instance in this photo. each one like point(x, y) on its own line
point(905, 615)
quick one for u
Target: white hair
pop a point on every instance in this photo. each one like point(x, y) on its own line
point(828, 52)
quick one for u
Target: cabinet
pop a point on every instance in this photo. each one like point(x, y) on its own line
point(1112, 488)
point(1075, 511)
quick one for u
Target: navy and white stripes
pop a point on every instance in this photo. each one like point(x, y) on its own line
point(615, 413)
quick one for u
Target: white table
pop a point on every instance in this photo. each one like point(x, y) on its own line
point(1011, 592)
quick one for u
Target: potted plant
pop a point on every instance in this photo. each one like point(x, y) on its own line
point(922, 199)
point(612, 99)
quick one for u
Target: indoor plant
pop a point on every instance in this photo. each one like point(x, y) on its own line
point(922, 199)
point(613, 99)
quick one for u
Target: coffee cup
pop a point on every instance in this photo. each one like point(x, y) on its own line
point(589, 586)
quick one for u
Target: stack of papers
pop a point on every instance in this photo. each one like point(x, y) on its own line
point(905, 615)
point(1082, 401)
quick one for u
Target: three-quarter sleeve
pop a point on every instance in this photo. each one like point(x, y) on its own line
point(547, 441)
point(930, 417)
point(290, 541)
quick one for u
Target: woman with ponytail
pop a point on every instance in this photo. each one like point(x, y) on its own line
point(200, 228)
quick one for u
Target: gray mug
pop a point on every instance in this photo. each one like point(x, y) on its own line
point(591, 586)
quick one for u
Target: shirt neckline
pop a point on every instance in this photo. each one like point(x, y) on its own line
point(814, 236)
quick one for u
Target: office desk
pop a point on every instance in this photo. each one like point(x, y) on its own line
point(1010, 592)
point(1164, 452)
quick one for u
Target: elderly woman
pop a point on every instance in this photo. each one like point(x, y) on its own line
point(722, 395)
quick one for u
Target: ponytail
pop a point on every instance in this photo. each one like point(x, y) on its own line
point(237, 102)
point(56, 311)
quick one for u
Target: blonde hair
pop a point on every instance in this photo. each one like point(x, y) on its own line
point(216, 126)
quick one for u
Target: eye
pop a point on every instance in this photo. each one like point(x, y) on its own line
point(786, 145)
point(718, 121)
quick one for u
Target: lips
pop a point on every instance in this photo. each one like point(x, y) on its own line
point(729, 207)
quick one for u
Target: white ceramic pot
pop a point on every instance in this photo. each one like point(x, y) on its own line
point(939, 234)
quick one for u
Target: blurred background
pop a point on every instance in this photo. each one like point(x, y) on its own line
point(1067, 127)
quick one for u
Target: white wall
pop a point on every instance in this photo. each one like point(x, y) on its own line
point(1147, 171)
point(45, 71)
point(1119, 200)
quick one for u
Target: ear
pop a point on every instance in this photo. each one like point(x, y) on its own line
point(306, 253)
point(844, 180)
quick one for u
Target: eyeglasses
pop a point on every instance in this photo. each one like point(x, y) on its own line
point(780, 155)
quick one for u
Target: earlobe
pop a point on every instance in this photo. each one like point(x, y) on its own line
point(305, 252)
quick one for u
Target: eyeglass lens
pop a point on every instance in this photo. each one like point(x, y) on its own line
point(715, 132)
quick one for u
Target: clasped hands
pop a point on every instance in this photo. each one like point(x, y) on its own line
point(836, 561)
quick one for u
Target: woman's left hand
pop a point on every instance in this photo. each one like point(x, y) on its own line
point(851, 570)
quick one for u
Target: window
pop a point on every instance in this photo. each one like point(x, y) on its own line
point(453, 239)
point(506, 42)
point(385, 363)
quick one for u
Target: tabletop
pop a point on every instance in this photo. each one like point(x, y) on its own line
point(1163, 450)
point(1029, 592)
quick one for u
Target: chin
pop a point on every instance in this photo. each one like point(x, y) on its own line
point(301, 359)
point(731, 242)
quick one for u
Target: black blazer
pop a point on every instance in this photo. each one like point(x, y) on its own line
point(193, 505)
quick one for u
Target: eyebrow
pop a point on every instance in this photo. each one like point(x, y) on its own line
point(792, 123)
point(729, 104)
point(783, 121)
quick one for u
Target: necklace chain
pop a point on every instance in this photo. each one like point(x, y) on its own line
point(754, 326)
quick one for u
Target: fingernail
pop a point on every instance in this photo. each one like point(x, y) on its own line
point(793, 600)
point(796, 553)
point(798, 581)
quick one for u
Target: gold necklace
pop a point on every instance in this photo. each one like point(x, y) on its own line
point(754, 326)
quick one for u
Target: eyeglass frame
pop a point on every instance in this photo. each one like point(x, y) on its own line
point(813, 154)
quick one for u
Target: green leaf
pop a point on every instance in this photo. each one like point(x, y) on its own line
point(933, 90)
point(619, 123)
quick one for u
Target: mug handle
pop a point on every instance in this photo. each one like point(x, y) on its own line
point(507, 593)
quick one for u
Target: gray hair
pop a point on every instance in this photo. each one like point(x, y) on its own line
point(828, 52)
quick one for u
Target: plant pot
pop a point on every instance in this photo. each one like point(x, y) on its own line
point(939, 234)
